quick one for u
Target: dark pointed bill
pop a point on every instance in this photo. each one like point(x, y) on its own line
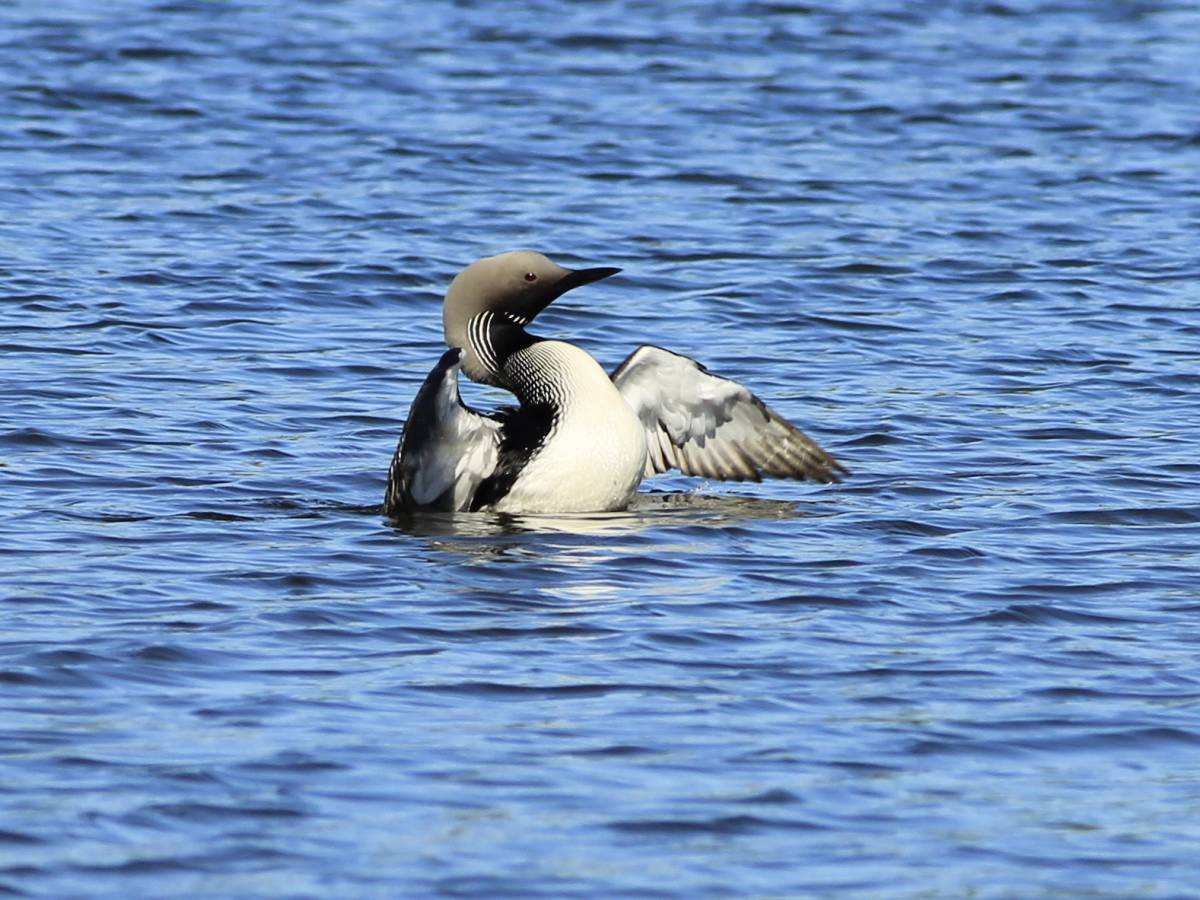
point(580, 277)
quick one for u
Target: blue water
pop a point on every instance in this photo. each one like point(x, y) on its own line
point(956, 242)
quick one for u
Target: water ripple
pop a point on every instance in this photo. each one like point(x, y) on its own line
point(949, 240)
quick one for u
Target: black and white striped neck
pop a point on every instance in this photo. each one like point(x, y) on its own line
point(494, 338)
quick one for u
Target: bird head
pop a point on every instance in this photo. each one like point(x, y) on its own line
point(490, 302)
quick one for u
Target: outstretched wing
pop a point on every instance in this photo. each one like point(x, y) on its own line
point(446, 449)
point(703, 424)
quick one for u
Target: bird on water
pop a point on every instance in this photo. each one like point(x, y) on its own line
point(579, 439)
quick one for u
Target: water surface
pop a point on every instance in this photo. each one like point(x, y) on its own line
point(955, 242)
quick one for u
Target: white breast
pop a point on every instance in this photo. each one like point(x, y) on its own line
point(594, 458)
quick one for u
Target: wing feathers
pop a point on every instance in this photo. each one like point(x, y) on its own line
point(446, 449)
point(706, 425)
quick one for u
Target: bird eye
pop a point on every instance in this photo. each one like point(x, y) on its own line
point(531, 276)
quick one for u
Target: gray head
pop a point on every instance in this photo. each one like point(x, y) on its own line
point(490, 302)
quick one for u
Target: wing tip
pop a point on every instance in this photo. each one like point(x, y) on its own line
point(833, 470)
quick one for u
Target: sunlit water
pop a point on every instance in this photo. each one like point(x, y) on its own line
point(956, 242)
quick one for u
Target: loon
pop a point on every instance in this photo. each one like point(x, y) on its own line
point(579, 440)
